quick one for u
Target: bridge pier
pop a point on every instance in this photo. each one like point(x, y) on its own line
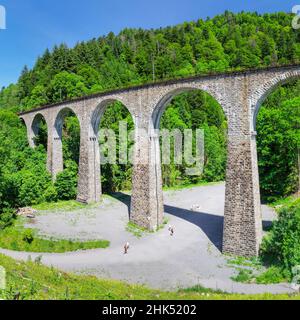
point(89, 180)
point(147, 209)
point(55, 162)
point(242, 218)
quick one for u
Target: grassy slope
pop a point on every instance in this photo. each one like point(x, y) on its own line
point(17, 238)
point(36, 282)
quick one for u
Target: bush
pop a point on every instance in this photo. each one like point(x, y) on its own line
point(6, 218)
point(272, 275)
point(66, 182)
point(28, 236)
point(31, 189)
point(283, 242)
point(50, 194)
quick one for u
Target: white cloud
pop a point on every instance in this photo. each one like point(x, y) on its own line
point(2, 17)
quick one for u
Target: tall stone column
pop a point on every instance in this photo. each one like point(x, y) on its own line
point(30, 132)
point(147, 208)
point(55, 163)
point(243, 218)
point(89, 183)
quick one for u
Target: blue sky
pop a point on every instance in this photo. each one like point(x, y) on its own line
point(34, 25)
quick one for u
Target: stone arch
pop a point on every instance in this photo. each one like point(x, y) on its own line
point(35, 127)
point(59, 121)
point(36, 121)
point(261, 94)
point(23, 121)
point(55, 152)
point(163, 102)
point(99, 111)
point(155, 146)
point(94, 128)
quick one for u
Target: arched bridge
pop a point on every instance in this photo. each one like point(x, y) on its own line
point(240, 94)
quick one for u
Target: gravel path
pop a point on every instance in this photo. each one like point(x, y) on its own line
point(192, 256)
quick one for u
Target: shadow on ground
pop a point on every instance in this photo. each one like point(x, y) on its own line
point(210, 224)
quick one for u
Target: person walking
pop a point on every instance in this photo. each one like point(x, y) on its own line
point(171, 230)
point(126, 247)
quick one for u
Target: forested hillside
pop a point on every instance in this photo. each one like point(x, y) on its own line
point(226, 42)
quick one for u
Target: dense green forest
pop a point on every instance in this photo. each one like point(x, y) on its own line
point(225, 42)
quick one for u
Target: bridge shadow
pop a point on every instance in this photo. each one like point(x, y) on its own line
point(210, 224)
point(124, 198)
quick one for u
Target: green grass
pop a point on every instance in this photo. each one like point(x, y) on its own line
point(139, 232)
point(244, 276)
point(33, 281)
point(252, 270)
point(253, 262)
point(69, 205)
point(18, 238)
point(286, 202)
point(271, 275)
point(136, 230)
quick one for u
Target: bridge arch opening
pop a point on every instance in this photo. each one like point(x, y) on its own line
point(23, 125)
point(67, 131)
point(277, 123)
point(112, 124)
point(64, 158)
point(269, 88)
point(189, 111)
point(39, 129)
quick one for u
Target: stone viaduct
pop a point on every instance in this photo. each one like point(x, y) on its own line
point(240, 94)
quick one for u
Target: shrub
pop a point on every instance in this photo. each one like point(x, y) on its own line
point(283, 242)
point(244, 275)
point(271, 275)
point(6, 218)
point(28, 236)
point(50, 194)
point(66, 182)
